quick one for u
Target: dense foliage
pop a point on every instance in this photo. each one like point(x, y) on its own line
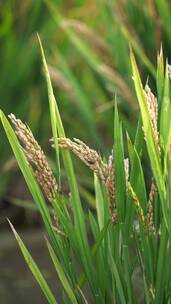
point(112, 244)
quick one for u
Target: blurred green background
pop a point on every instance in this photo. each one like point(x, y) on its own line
point(87, 48)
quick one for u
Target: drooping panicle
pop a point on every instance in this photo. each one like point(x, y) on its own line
point(152, 106)
point(36, 158)
point(93, 160)
point(89, 156)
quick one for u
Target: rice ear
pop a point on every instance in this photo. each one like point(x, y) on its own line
point(36, 158)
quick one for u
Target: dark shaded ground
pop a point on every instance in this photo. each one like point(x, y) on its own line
point(17, 284)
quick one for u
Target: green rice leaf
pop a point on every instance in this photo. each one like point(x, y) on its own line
point(53, 109)
point(119, 168)
point(150, 142)
point(116, 276)
point(94, 250)
point(34, 269)
point(77, 208)
point(99, 202)
point(160, 76)
point(128, 274)
point(62, 276)
point(165, 122)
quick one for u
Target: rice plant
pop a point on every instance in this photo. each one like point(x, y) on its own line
point(87, 47)
point(117, 251)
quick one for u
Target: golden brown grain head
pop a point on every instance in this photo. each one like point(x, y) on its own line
point(36, 158)
point(93, 160)
point(89, 156)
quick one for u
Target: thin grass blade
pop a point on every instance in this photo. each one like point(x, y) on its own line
point(34, 269)
point(62, 275)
